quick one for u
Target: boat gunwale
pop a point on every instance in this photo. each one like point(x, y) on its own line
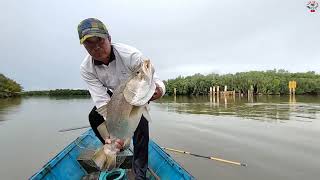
point(173, 163)
point(53, 161)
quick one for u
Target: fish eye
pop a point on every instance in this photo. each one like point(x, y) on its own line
point(138, 72)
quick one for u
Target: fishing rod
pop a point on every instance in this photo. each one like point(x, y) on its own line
point(75, 128)
point(207, 157)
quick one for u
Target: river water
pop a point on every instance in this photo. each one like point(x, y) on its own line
point(278, 137)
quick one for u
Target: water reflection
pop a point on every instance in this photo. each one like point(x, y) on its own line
point(262, 108)
point(8, 105)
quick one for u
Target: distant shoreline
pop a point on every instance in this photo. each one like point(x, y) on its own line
point(271, 82)
point(57, 92)
point(85, 93)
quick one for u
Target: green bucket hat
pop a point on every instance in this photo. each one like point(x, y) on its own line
point(91, 27)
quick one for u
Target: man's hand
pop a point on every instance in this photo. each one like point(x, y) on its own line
point(118, 143)
point(157, 93)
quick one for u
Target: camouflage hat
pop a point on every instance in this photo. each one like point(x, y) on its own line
point(91, 27)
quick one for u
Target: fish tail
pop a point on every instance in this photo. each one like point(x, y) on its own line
point(111, 157)
point(111, 161)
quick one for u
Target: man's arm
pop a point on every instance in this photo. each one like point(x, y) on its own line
point(97, 91)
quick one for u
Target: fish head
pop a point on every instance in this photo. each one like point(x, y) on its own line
point(140, 87)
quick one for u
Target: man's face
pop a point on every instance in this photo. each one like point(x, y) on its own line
point(99, 48)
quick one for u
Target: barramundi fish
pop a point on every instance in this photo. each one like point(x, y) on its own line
point(123, 113)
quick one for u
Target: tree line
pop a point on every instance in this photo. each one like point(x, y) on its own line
point(272, 82)
point(58, 92)
point(9, 87)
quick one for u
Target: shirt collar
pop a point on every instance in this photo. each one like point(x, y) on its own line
point(112, 57)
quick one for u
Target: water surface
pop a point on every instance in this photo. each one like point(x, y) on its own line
point(277, 136)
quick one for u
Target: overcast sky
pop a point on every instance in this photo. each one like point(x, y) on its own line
point(40, 47)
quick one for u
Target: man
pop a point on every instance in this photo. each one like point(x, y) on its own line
point(103, 69)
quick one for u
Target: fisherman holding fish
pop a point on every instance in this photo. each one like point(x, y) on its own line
point(104, 69)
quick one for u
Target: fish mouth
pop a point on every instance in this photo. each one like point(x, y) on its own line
point(141, 87)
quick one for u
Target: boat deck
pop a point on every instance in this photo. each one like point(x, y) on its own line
point(65, 165)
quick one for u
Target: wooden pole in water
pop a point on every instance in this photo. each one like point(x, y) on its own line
point(214, 90)
point(207, 157)
point(218, 92)
point(175, 91)
point(225, 101)
point(218, 100)
point(294, 85)
point(289, 86)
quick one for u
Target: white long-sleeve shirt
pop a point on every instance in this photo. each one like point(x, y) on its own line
point(100, 78)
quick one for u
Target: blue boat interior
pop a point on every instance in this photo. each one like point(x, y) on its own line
point(65, 165)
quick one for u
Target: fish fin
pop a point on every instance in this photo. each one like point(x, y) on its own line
point(103, 131)
point(99, 158)
point(146, 114)
point(135, 112)
point(103, 110)
point(111, 157)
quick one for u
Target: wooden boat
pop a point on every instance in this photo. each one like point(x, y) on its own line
point(65, 165)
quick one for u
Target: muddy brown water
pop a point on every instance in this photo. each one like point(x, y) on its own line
point(277, 136)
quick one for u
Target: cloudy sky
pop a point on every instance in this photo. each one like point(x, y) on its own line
point(40, 47)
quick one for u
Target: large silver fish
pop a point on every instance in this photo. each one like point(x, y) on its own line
point(123, 112)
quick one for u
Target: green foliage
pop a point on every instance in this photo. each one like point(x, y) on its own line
point(35, 93)
point(68, 92)
point(263, 82)
point(8, 87)
point(58, 92)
